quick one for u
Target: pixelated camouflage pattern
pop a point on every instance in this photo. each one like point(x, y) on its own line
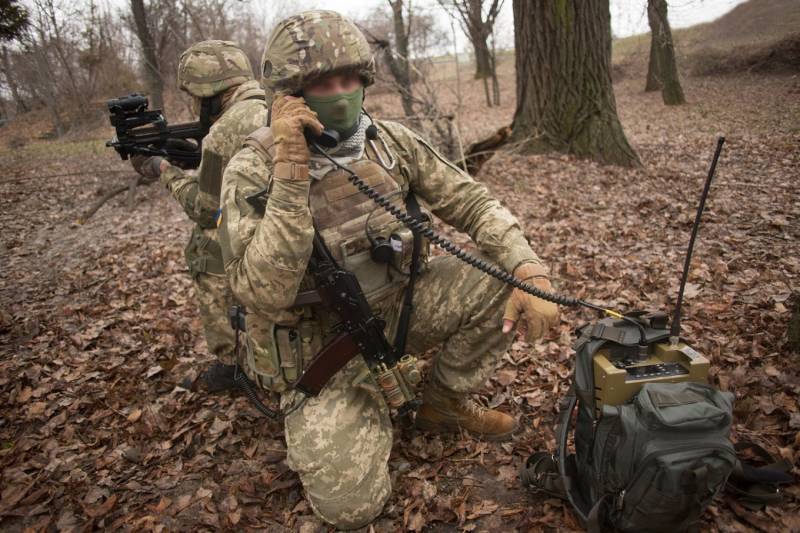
point(214, 298)
point(310, 44)
point(239, 117)
point(339, 442)
point(211, 67)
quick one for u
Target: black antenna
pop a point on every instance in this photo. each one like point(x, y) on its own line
point(675, 331)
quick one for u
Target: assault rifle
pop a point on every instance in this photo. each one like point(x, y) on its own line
point(140, 130)
point(361, 332)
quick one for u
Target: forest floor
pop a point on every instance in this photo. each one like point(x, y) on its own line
point(98, 326)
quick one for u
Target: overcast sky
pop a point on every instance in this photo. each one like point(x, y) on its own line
point(628, 17)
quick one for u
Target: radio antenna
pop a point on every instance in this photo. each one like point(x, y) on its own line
point(675, 330)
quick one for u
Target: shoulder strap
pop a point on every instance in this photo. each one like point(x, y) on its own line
point(412, 206)
point(756, 486)
point(568, 404)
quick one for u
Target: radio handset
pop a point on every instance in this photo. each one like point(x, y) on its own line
point(327, 139)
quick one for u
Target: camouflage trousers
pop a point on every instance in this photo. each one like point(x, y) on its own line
point(339, 442)
point(214, 298)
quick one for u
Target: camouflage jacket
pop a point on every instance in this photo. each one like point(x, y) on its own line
point(199, 194)
point(267, 250)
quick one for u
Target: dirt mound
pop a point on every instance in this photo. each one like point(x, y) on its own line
point(780, 57)
point(755, 20)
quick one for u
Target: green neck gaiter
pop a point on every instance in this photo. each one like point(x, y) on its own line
point(340, 111)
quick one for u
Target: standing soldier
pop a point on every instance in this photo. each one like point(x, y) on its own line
point(219, 78)
point(278, 198)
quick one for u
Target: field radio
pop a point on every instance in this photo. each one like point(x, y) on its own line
point(623, 365)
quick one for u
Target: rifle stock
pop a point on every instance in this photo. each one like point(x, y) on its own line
point(326, 363)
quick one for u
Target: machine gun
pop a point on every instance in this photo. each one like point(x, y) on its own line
point(140, 130)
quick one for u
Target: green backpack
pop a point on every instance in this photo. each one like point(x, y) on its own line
point(651, 464)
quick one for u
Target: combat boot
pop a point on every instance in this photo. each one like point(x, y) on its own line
point(444, 411)
point(218, 378)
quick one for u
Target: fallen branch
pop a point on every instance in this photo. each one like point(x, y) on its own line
point(64, 175)
point(134, 182)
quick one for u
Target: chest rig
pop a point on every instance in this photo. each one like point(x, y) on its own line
point(366, 241)
point(362, 238)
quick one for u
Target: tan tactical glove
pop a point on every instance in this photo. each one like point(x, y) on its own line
point(290, 116)
point(539, 315)
point(148, 166)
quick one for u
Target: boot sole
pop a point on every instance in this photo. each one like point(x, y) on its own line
point(433, 427)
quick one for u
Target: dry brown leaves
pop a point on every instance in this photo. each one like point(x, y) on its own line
point(98, 329)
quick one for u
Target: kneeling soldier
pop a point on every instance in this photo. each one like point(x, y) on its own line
point(218, 77)
point(280, 200)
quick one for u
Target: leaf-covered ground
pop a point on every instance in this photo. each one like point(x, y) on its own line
point(98, 327)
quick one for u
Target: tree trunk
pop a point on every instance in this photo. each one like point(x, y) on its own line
point(483, 62)
point(155, 83)
point(565, 100)
point(653, 82)
point(495, 83)
point(662, 47)
point(12, 83)
point(399, 60)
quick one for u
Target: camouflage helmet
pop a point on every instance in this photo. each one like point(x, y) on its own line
point(310, 44)
point(210, 67)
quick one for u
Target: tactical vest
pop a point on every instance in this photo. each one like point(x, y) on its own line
point(352, 226)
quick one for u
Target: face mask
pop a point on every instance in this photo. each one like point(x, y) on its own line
point(339, 112)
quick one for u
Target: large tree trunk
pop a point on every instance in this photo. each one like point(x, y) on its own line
point(565, 100)
point(155, 83)
point(12, 83)
point(662, 68)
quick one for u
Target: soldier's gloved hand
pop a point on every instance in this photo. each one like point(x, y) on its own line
point(182, 148)
point(148, 166)
point(539, 315)
point(290, 116)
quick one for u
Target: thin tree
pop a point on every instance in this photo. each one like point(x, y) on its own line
point(662, 69)
point(478, 21)
point(14, 20)
point(155, 83)
point(565, 100)
point(397, 57)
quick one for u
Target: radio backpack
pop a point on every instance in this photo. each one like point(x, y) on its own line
point(652, 445)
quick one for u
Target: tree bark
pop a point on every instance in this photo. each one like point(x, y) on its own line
point(653, 83)
point(399, 60)
point(155, 83)
point(12, 83)
point(662, 54)
point(565, 100)
point(483, 60)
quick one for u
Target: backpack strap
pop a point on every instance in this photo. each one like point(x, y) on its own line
point(540, 473)
point(757, 486)
point(566, 408)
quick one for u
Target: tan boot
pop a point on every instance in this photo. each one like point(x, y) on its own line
point(444, 411)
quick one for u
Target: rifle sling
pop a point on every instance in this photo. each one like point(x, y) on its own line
point(326, 364)
point(412, 206)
